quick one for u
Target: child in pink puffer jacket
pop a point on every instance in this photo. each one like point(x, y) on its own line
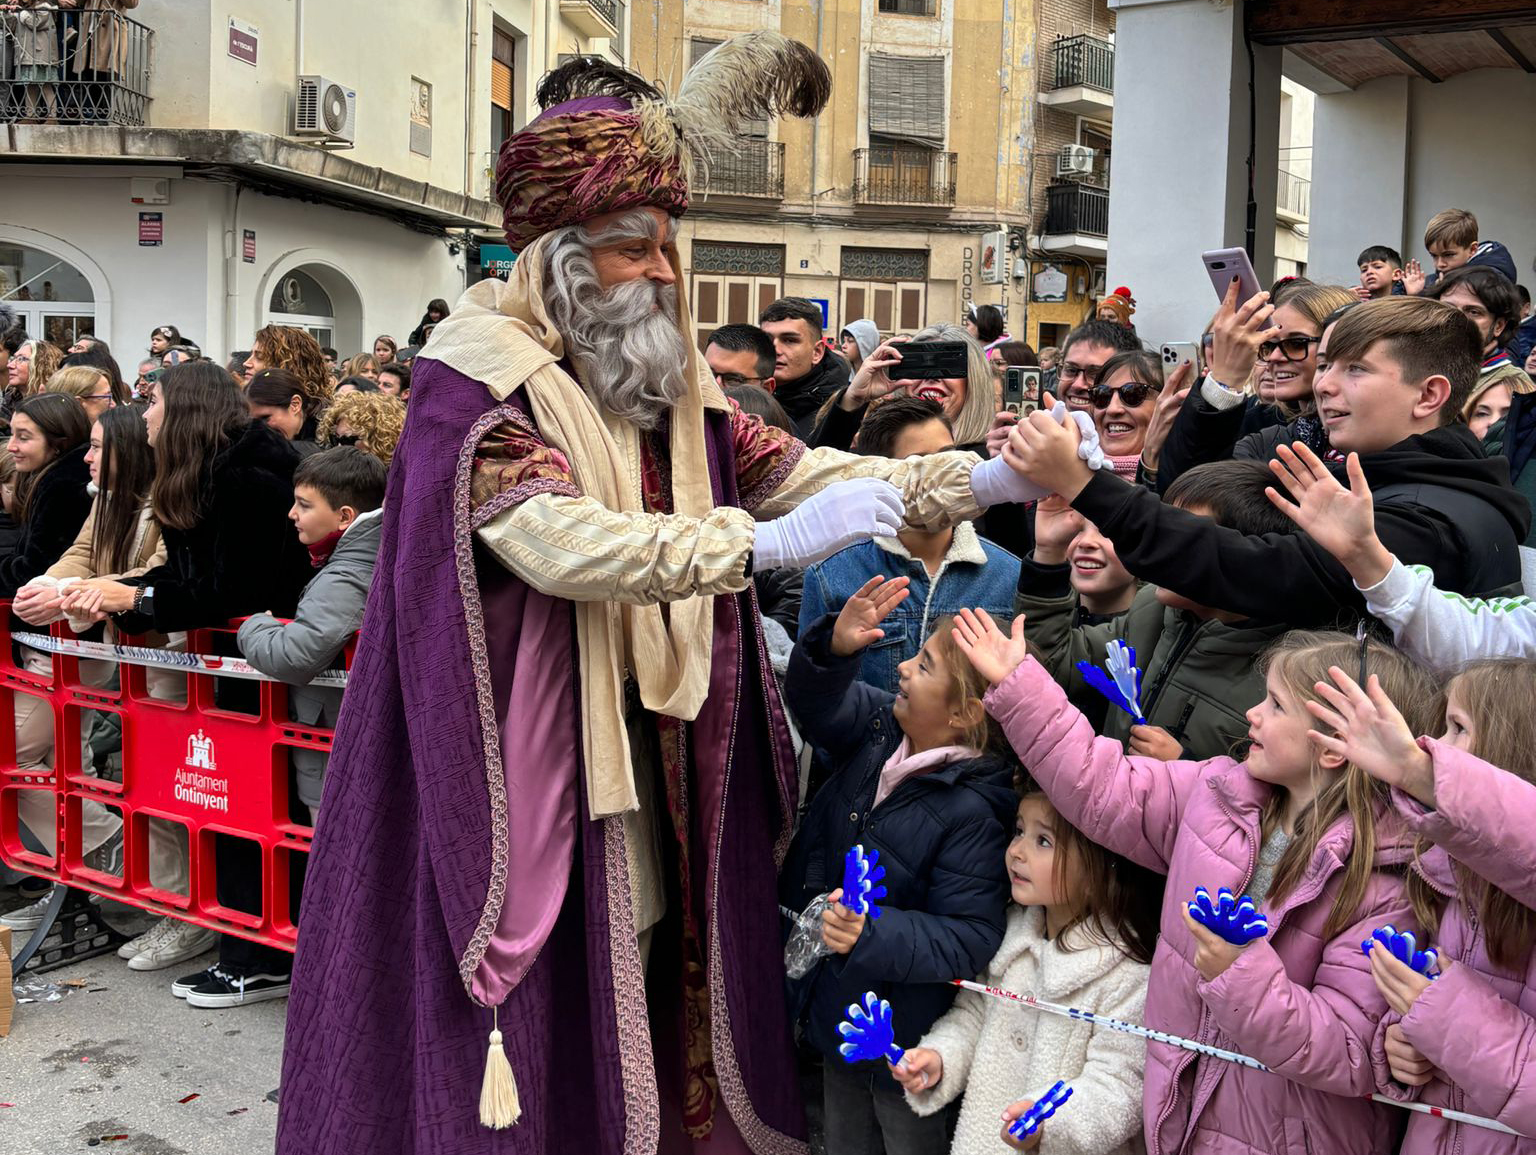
point(1308, 835)
point(1467, 1040)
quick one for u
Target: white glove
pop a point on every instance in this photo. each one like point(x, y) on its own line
point(839, 516)
point(994, 481)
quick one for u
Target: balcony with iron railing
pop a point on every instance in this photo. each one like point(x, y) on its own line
point(751, 168)
point(1082, 79)
point(903, 175)
point(1076, 220)
point(594, 18)
point(1293, 198)
point(69, 66)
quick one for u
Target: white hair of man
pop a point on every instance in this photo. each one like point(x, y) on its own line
point(624, 341)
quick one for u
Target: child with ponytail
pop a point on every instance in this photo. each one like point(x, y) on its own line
point(1467, 1039)
point(1308, 835)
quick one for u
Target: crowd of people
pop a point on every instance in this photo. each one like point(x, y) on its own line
point(1311, 543)
point(197, 495)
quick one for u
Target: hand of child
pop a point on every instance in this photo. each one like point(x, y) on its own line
point(997, 436)
point(1413, 277)
point(1013, 1111)
point(1213, 954)
point(994, 653)
point(1407, 1065)
point(1235, 336)
point(1056, 524)
point(858, 623)
point(1342, 521)
point(1361, 292)
point(1368, 731)
point(1169, 402)
point(1399, 983)
point(840, 927)
point(920, 1070)
point(1155, 742)
point(1045, 451)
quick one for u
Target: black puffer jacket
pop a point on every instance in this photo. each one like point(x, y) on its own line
point(941, 837)
point(244, 556)
point(55, 513)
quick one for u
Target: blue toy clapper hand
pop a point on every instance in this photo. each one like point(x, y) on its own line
point(861, 878)
point(1405, 950)
point(1238, 921)
point(869, 1032)
point(1045, 1106)
point(861, 886)
point(1122, 684)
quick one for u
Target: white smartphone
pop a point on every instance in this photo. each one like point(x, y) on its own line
point(1221, 265)
point(1176, 353)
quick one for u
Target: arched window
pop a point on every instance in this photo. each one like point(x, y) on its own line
point(52, 297)
point(299, 300)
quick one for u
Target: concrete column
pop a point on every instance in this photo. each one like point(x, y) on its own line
point(1359, 192)
point(1179, 184)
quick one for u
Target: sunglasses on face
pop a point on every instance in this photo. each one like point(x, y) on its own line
point(1291, 348)
point(1131, 395)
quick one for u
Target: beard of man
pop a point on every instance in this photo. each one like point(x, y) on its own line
point(624, 341)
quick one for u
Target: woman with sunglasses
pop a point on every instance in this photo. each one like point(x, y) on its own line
point(1257, 392)
point(1124, 399)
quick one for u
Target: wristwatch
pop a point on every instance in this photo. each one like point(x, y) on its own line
point(144, 600)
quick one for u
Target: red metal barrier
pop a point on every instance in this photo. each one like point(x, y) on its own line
point(212, 770)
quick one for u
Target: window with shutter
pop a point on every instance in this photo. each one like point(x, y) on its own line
point(503, 52)
point(906, 98)
point(698, 48)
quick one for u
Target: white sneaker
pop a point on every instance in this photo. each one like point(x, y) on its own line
point(181, 941)
point(134, 945)
point(29, 917)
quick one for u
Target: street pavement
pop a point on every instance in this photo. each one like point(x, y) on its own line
point(118, 1066)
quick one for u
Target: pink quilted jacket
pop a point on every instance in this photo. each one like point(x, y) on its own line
point(1477, 1022)
point(1301, 1004)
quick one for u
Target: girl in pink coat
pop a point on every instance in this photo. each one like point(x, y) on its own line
point(1309, 836)
point(1467, 1040)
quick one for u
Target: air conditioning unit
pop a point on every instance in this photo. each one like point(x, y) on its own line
point(323, 108)
point(1074, 159)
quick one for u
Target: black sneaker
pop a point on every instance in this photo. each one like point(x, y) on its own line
point(226, 990)
point(183, 986)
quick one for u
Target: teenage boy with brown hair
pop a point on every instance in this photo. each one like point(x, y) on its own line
point(1397, 374)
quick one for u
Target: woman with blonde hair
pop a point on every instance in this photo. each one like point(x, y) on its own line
point(363, 365)
point(86, 384)
point(371, 421)
point(1257, 391)
point(32, 366)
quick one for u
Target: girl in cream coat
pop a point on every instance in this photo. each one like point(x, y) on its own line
point(1076, 934)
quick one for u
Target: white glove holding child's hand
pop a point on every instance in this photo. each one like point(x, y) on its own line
point(994, 481)
point(839, 516)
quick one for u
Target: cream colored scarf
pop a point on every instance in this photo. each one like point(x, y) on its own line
point(501, 334)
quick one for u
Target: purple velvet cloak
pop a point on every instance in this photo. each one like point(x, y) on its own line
point(385, 1050)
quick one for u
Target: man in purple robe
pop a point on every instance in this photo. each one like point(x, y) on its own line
point(562, 777)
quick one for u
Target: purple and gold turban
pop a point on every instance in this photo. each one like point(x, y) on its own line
point(608, 141)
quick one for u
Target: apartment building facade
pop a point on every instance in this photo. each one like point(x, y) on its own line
point(233, 163)
point(924, 186)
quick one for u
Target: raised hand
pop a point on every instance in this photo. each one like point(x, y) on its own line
point(873, 380)
point(1044, 449)
point(1056, 524)
point(1369, 731)
point(1413, 277)
point(994, 653)
point(1235, 336)
point(1342, 521)
point(841, 515)
point(1169, 402)
point(858, 622)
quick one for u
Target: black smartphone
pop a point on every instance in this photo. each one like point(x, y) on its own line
point(1021, 390)
point(931, 361)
